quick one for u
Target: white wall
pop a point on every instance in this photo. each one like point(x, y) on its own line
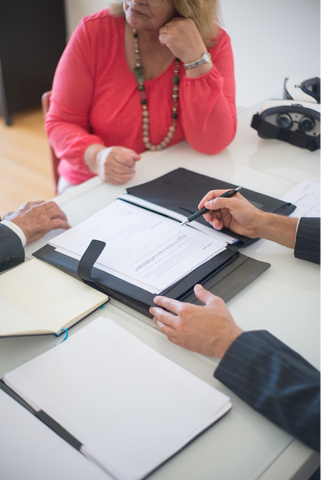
point(77, 9)
point(271, 39)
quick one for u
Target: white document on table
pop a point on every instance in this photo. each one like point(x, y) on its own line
point(29, 450)
point(178, 216)
point(143, 248)
point(130, 407)
point(306, 197)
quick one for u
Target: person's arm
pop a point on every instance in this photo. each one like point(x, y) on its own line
point(68, 120)
point(276, 382)
point(307, 245)
point(11, 249)
point(260, 369)
point(239, 215)
point(207, 102)
point(207, 92)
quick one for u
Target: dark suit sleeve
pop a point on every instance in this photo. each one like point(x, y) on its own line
point(307, 245)
point(11, 250)
point(275, 381)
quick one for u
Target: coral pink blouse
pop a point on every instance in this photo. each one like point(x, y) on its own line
point(95, 99)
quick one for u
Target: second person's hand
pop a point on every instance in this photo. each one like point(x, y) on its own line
point(114, 165)
point(38, 218)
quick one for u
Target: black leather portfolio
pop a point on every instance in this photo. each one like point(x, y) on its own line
point(225, 274)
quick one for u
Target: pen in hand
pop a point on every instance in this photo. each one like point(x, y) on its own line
point(228, 194)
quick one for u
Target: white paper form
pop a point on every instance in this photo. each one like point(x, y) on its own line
point(170, 213)
point(306, 197)
point(143, 248)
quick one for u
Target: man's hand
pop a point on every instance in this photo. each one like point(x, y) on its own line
point(38, 218)
point(240, 216)
point(208, 330)
point(114, 165)
point(235, 213)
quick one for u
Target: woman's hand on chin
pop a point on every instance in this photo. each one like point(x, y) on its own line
point(183, 39)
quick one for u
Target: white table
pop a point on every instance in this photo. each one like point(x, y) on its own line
point(284, 300)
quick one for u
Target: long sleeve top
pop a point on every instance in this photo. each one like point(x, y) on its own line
point(271, 377)
point(95, 99)
point(276, 381)
point(11, 250)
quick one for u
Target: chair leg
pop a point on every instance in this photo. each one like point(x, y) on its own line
point(8, 120)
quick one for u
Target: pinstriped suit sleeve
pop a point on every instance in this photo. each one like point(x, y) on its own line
point(276, 381)
point(307, 245)
point(11, 250)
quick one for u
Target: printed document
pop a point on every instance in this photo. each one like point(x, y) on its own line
point(306, 197)
point(143, 248)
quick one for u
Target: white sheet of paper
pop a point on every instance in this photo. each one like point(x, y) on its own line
point(306, 197)
point(143, 248)
point(128, 405)
point(36, 297)
point(165, 211)
point(32, 451)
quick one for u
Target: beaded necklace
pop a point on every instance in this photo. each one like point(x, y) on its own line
point(139, 73)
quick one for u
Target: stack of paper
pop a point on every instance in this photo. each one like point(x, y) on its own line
point(142, 248)
point(129, 407)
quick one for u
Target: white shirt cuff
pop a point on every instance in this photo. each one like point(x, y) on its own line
point(296, 231)
point(16, 230)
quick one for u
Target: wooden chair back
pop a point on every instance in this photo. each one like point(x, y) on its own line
point(45, 100)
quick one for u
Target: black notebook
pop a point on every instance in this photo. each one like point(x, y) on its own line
point(224, 273)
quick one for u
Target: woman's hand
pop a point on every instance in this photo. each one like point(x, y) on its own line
point(114, 165)
point(183, 39)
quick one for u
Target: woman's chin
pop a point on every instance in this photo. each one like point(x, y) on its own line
point(141, 22)
point(135, 22)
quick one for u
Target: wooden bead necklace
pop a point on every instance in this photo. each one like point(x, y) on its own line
point(139, 73)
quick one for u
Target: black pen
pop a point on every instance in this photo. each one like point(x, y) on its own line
point(197, 214)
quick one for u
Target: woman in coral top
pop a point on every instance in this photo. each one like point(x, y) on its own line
point(144, 74)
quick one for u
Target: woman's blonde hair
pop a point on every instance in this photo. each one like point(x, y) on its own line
point(205, 14)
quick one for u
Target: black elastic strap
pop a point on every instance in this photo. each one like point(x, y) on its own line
point(43, 417)
point(297, 138)
point(89, 258)
point(314, 83)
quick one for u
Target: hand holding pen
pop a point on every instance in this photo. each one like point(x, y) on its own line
point(235, 213)
point(202, 211)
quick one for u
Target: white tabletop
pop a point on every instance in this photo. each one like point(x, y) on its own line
point(273, 156)
point(284, 300)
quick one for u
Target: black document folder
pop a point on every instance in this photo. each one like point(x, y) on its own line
point(225, 275)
